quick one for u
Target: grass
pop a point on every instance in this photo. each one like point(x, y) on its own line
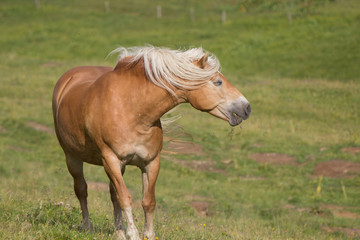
point(301, 78)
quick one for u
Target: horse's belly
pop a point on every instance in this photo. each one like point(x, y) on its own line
point(94, 161)
point(87, 152)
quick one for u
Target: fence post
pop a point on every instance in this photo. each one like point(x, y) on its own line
point(192, 14)
point(37, 4)
point(289, 17)
point(289, 11)
point(158, 12)
point(107, 7)
point(223, 17)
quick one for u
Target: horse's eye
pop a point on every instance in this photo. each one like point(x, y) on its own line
point(218, 82)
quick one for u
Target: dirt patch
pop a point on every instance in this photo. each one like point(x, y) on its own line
point(98, 186)
point(207, 165)
point(40, 127)
point(183, 147)
point(325, 210)
point(293, 207)
point(346, 214)
point(342, 212)
point(337, 169)
point(274, 158)
point(352, 150)
point(201, 208)
point(317, 211)
point(349, 232)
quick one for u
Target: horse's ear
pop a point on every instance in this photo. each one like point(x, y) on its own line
point(202, 62)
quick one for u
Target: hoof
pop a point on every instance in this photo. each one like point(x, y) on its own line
point(149, 235)
point(88, 227)
point(132, 234)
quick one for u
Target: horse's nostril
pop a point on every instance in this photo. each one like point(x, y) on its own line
point(248, 110)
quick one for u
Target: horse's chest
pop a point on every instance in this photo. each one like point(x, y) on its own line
point(140, 150)
point(134, 144)
point(145, 152)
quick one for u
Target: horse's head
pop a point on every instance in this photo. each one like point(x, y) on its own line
point(191, 76)
point(219, 98)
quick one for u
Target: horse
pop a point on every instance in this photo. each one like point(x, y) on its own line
point(111, 117)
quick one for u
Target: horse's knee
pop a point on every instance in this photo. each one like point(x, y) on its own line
point(148, 204)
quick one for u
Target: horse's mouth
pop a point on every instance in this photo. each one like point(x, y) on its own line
point(235, 119)
point(233, 116)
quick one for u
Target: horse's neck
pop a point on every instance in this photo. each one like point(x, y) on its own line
point(152, 102)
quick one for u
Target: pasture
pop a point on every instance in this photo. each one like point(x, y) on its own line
point(291, 172)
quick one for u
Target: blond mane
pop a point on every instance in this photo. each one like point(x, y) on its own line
point(171, 69)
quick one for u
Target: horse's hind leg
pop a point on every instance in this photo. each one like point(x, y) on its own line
point(75, 168)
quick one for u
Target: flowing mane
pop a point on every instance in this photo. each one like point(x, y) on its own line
point(175, 68)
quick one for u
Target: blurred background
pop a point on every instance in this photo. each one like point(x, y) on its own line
point(291, 171)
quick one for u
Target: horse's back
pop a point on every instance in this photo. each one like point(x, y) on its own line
point(80, 77)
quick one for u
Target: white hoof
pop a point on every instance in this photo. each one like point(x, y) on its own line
point(149, 235)
point(132, 234)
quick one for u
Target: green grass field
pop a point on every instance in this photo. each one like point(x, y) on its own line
point(300, 75)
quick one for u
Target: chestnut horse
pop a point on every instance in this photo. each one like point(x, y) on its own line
point(111, 117)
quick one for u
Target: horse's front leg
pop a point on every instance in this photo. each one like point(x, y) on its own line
point(119, 223)
point(112, 167)
point(149, 176)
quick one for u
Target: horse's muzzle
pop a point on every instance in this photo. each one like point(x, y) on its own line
point(239, 110)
